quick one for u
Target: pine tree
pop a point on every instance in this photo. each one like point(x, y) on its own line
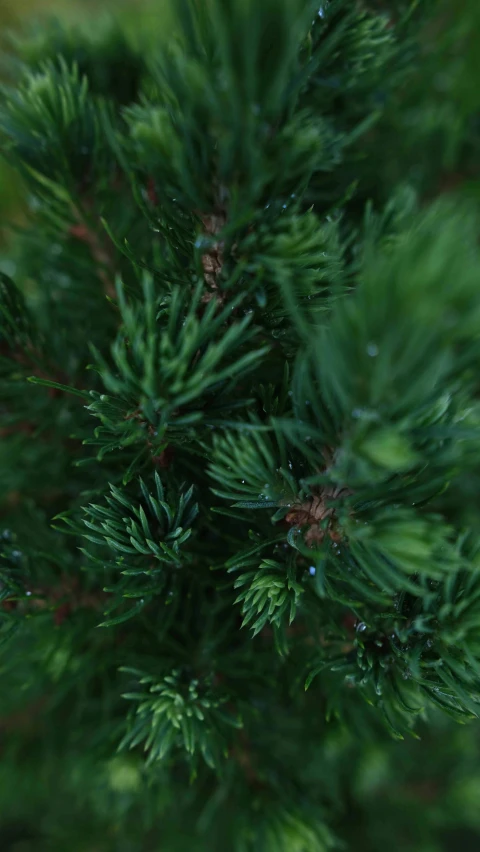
point(239, 412)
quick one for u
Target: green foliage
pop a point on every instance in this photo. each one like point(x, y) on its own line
point(246, 466)
point(13, 573)
point(102, 53)
point(16, 327)
point(270, 592)
point(177, 711)
point(239, 389)
point(231, 92)
point(167, 358)
point(51, 116)
point(288, 830)
point(133, 530)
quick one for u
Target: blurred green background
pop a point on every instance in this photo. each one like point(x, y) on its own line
point(416, 796)
point(142, 19)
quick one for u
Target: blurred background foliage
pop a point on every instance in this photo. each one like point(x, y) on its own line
point(415, 796)
point(141, 20)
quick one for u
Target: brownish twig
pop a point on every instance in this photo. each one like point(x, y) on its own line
point(212, 260)
point(313, 512)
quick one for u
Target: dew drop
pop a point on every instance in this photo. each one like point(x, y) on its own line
point(361, 627)
point(312, 570)
point(372, 350)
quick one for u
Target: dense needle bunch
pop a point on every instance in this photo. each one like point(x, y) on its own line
point(240, 428)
